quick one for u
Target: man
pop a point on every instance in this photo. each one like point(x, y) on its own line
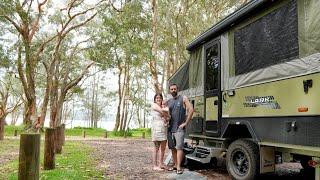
point(178, 106)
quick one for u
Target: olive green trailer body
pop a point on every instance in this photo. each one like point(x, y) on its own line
point(254, 82)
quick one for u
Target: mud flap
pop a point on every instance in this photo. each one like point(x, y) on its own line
point(267, 159)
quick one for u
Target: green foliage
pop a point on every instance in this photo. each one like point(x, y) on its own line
point(4, 59)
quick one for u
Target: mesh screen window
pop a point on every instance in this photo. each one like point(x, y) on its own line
point(270, 40)
point(212, 65)
point(181, 78)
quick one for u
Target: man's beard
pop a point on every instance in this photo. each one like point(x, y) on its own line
point(174, 94)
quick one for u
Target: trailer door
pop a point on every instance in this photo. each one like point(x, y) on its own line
point(212, 71)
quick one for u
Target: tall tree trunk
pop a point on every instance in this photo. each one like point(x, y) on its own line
point(154, 49)
point(138, 116)
point(53, 104)
point(124, 98)
point(92, 118)
point(96, 109)
point(29, 87)
point(116, 126)
point(144, 109)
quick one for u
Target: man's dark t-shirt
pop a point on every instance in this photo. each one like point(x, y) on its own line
point(177, 112)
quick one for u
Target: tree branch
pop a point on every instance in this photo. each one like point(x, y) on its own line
point(76, 80)
point(19, 29)
point(35, 23)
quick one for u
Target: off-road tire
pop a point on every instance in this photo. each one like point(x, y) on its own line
point(243, 160)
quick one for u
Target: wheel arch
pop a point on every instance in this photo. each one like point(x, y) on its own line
point(239, 130)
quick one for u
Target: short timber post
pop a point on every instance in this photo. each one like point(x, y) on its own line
point(84, 134)
point(143, 135)
point(1, 129)
point(106, 134)
point(125, 134)
point(49, 148)
point(15, 133)
point(63, 137)
point(29, 156)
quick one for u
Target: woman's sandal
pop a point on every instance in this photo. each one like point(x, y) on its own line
point(172, 168)
point(157, 169)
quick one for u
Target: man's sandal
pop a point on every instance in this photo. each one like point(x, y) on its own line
point(180, 171)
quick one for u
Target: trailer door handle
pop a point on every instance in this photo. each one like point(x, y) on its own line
point(215, 102)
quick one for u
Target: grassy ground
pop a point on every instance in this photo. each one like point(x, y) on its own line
point(90, 132)
point(75, 162)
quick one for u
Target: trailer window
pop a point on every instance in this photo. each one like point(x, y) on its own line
point(270, 40)
point(212, 64)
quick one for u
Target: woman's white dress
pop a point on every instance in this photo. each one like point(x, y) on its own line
point(158, 128)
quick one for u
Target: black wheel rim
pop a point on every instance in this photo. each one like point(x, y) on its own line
point(240, 162)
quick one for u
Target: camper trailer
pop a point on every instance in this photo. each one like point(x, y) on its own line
point(254, 82)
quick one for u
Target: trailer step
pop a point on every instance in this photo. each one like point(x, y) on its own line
point(204, 154)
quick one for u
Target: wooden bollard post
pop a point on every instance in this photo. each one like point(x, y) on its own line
point(58, 144)
point(106, 134)
point(15, 133)
point(84, 134)
point(1, 130)
point(29, 156)
point(49, 148)
point(143, 135)
point(63, 137)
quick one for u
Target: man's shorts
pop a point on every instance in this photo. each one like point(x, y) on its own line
point(176, 139)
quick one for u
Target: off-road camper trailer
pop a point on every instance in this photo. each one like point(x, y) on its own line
point(254, 82)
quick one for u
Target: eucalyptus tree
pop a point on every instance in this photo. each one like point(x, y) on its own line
point(121, 43)
point(26, 21)
point(7, 92)
point(35, 33)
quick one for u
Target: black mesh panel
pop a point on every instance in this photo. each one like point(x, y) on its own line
point(270, 40)
point(181, 78)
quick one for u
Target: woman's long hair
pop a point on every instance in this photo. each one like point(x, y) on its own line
point(155, 96)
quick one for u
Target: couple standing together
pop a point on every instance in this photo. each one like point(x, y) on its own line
point(169, 122)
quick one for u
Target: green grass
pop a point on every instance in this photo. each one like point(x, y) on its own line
point(75, 162)
point(9, 130)
point(90, 132)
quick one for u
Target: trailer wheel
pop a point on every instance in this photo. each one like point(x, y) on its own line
point(243, 160)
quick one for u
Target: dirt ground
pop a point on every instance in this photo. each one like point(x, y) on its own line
point(131, 159)
point(127, 159)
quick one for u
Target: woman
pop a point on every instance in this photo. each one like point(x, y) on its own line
point(159, 132)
